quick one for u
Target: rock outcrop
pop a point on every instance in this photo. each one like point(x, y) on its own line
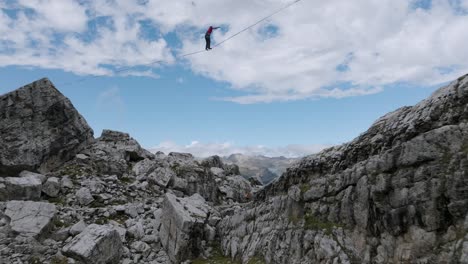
point(183, 223)
point(28, 218)
point(396, 194)
point(96, 244)
point(26, 187)
point(40, 129)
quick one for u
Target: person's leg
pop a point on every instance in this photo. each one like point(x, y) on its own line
point(207, 39)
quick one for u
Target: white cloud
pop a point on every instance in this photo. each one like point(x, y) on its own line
point(202, 150)
point(389, 43)
point(71, 36)
point(313, 49)
point(111, 100)
point(63, 15)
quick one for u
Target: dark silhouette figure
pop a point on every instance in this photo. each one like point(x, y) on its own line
point(208, 37)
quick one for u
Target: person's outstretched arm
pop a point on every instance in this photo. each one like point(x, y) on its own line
point(215, 27)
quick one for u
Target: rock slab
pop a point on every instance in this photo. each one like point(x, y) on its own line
point(29, 218)
point(40, 129)
point(182, 226)
point(96, 244)
point(26, 187)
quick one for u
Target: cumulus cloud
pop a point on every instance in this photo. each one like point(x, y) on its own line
point(338, 49)
point(313, 49)
point(84, 37)
point(202, 150)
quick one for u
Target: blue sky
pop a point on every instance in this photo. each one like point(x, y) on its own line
point(289, 86)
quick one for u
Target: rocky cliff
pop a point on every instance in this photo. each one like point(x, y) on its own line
point(39, 129)
point(396, 194)
point(104, 200)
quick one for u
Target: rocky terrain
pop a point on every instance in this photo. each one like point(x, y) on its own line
point(396, 194)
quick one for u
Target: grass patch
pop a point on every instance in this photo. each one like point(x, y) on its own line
point(101, 221)
point(74, 170)
point(97, 204)
point(313, 223)
point(256, 260)
point(304, 187)
point(34, 260)
point(126, 180)
point(217, 257)
point(57, 200)
point(59, 260)
point(119, 218)
point(60, 224)
point(176, 168)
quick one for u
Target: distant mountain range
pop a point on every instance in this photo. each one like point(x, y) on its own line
point(264, 169)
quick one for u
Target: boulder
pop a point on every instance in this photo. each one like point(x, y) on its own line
point(96, 244)
point(236, 188)
point(26, 187)
point(112, 153)
point(40, 129)
point(155, 172)
point(29, 218)
point(51, 187)
point(77, 228)
point(84, 196)
point(213, 161)
point(183, 225)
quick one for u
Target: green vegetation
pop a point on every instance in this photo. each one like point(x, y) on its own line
point(256, 260)
point(176, 168)
point(34, 260)
point(126, 180)
point(118, 217)
point(59, 260)
point(57, 200)
point(97, 204)
point(60, 223)
point(217, 257)
point(465, 147)
point(313, 223)
point(74, 170)
point(101, 221)
point(304, 187)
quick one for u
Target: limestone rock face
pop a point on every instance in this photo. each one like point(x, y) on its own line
point(51, 187)
point(182, 226)
point(96, 244)
point(40, 129)
point(395, 194)
point(26, 187)
point(30, 218)
point(112, 153)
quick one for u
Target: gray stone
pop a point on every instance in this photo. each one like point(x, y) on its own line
point(51, 187)
point(136, 230)
point(161, 176)
point(84, 196)
point(30, 218)
point(66, 183)
point(27, 187)
point(96, 244)
point(112, 153)
point(396, 193)
point(40, 129)
point(78, 228)
point(182, 229)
